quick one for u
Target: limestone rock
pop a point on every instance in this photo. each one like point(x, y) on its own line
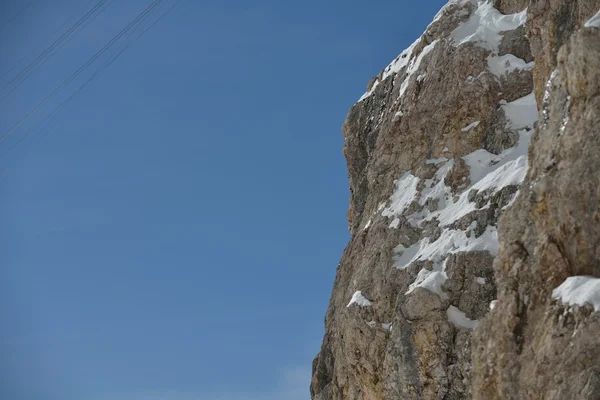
point(460, 197)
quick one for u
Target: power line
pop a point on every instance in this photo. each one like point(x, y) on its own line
point(83, 67)
point(23, 59)
point(21, 11)
point(52, 49)
point(86, 83)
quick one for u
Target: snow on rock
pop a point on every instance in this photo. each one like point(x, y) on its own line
point(579, 290)
point(368, 224)
point(436, 188)
point(359, 299)
point(459, 319)
point(387, 326)
point(487, 171)
point(414, 65)
point(522, 113)
point(436, 160)
point(470, 126)
point(493, 304)
point(397, 116)
point(445, 7)
point(450, 241)
point(484, 27)
point(394, 67)
point(504, 65)
point(593, 22)
point(404, 194)
point(430, 280)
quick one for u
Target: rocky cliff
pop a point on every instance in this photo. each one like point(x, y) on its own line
point(474, 168)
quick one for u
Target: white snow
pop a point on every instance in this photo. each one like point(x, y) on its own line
point(504, 65)
point(436, 160)
point(579, 290)
point(359, 299)
point(481, 280)
point(387, 326)
point(404, 194)
point(431, 280)
point(433, 190)
point(414, 67)
point(593, 22)
point(368, 224)
point(394, 67)
point(459, 319)
point(493, 304)
point(397, 116)
point(448, 4)
point(521, 113)
point(512, 200)
point(487, 171)
point(510, 172)
point(450, 241)
point(484, 26)
point(471, 126)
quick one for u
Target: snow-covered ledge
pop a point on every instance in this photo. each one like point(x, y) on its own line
point(579, 290)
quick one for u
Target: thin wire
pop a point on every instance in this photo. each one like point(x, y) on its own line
point(54, 47)
point(15, 16)
point(90, 80)
point(83, 67)
point(23, 59)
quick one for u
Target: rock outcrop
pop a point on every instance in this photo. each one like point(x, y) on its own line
point(444, 151)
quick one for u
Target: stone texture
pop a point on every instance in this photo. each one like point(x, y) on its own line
point(405, 346)
point(530, 346)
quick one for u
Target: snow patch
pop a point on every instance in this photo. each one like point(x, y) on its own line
point(436, 160)
point(504, 65)
point(394, 67)
point(414, 67)
point(450, 241)
point(404, 194)
point(430, 280)
point(470, 126)
point(459, 318)
point(439, 190)
point(359, 299)
point(397, 116)
point(493, 304)
point(481, 280)
point(521, 113)
point(445, 7)
point(593, 22)
point(485, 25)
point(487, 171)
point(579, 290)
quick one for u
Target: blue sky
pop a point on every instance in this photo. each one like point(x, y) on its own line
point(175, 235)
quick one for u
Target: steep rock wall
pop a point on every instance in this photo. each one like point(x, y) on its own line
point(535, 344)
point(437, 153)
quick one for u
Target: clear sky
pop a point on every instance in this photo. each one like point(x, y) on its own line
point(176, 235)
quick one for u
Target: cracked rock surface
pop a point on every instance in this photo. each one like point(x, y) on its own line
point(474, 169)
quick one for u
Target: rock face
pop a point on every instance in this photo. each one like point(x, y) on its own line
point(444, 151)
